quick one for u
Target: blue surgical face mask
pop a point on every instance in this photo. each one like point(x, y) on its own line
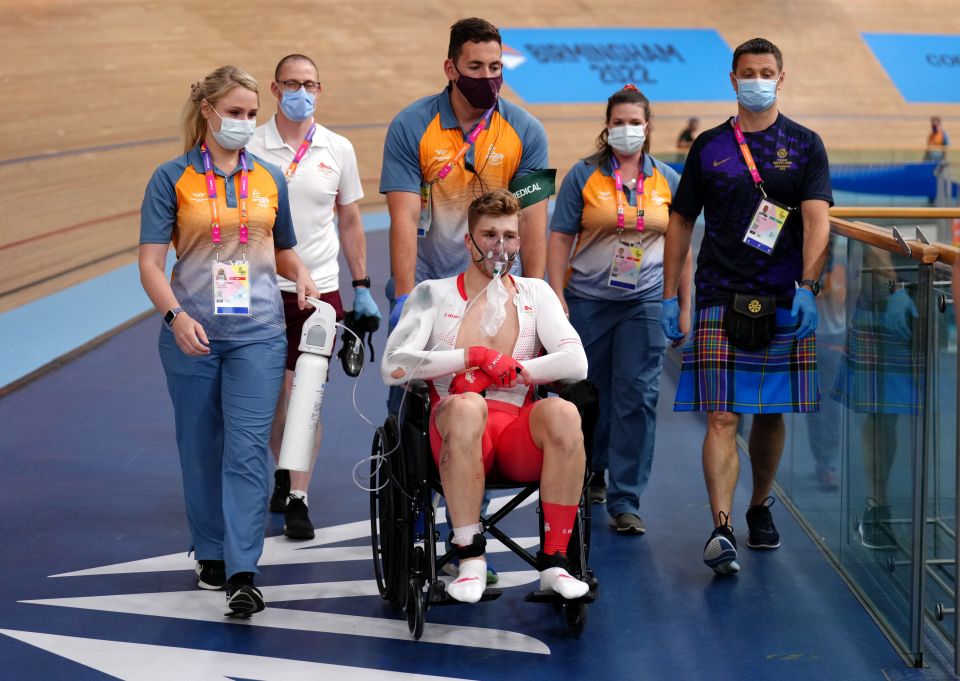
point(233, 133)
point(757, 94)
point(297, 105)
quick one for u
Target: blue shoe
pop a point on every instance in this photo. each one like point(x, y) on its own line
point(720, 552)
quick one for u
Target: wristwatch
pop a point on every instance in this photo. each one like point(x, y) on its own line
point(171, 315)
point(813, 284)
point(365, 282)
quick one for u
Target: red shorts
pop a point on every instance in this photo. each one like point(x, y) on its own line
point(508, 448)
point(295, 318)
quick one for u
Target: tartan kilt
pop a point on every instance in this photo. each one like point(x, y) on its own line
point(715, 376)
point(881, 373)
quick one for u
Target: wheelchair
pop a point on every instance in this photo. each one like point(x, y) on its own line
point(403, 529)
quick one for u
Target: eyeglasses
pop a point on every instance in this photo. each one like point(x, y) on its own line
point(311, 86)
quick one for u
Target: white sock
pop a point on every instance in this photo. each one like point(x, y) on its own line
point(463, 536)
point(559, 580)
point(469, 586)
point(299, 493)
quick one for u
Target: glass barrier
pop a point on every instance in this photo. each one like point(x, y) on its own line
point(875, 464)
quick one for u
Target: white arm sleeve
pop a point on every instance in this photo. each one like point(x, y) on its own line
point(565, 359)
point(407, 347)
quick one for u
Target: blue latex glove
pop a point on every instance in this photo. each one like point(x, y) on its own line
point(804, 308)
point(670, 319)
point(363, 305)
point(397, 309)
point(895, 317)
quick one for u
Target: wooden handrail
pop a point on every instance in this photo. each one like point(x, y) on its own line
point(894, 212)
point(881, 238)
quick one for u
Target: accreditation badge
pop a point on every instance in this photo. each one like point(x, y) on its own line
point(426, 209)
point(765, 225)
point(231, 288)
point(625, 267)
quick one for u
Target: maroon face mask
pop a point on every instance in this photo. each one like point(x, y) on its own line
point(480, 92)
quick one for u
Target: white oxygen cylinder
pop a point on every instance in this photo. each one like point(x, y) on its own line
point(306, 395)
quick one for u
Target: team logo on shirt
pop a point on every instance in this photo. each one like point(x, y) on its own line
point(441, 155)
point(197, 197)
point(783, 161)
point(493, 158)
point(324, 168)
point(656, 198)
point(604, 196)
point(260, 199)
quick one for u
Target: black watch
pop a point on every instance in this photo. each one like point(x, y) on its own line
point(171, 315)
point(361, 282)
point(813, 284)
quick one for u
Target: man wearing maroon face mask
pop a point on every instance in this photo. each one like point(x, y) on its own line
point(443, 151)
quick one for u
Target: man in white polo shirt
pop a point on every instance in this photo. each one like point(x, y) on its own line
point(323, 180)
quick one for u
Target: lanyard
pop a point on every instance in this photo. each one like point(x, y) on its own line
point(481, 125)
point(212, 198)
point(747, 156)
point(621, 198)
point(301, 152)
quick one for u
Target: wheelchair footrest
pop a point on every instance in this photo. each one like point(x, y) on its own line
point(441, 597)
point(551, 596)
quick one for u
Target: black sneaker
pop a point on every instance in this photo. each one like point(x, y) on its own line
point(874, 527)
point(296, 520)
point(598, 488)
point(763, 533)
point(243, 598)
point(211, 574)
point(281, 490)
point(720, 551)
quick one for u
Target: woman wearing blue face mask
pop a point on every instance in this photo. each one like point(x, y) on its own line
point(222, 341)
point(612, 212)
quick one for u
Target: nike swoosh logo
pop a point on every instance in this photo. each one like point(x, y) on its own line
point(720, 163)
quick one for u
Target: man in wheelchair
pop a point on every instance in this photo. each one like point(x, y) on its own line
point(476, 340)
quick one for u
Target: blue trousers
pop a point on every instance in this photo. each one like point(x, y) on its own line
point(625, 346)
point(223, 404)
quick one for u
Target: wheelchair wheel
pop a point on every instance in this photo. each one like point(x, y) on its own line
point(416, 610)
point(378, 483)
point(389, 507)
point(575, 615)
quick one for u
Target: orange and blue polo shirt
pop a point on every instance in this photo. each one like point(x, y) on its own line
point(586, 207)
point(176, 209)
point(420, 141)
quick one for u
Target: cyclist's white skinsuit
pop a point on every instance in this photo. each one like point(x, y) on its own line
point(423, 345)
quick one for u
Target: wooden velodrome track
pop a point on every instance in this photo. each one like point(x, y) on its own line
point(92, 92)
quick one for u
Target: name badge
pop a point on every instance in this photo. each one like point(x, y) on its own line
point(426, 209)
point(765, 225)
point(231, 288)
point(625, 268)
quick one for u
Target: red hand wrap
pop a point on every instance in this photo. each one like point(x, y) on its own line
point(503, 369)
point(470, 382)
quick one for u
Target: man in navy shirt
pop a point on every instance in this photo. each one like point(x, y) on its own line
point(763, 184)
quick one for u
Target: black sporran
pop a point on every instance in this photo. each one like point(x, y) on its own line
point(750, 321)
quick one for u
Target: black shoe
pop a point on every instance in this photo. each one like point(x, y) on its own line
point(211, 574)
point(598, 488)
point(281, 490)
point(243, 598)
point(763, 533)
point(720, 551)
point(874, 528)
point(296, 520)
